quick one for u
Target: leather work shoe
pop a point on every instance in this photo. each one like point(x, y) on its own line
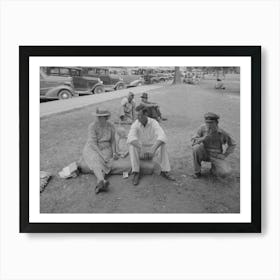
point(102, 186)
point(136, 178)
point(105, 186)
point(99, 186)
point(196, 175)
point(167, 176)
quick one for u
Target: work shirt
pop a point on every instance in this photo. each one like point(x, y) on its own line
point(214, 142)
point(127, 106)
point(147, 135)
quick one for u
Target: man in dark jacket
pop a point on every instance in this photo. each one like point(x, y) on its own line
point(152, 108)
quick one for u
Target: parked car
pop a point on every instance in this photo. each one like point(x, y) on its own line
point(152, 77)
point(110, 81)
point(56, 87)
point(130, 78)
point(82, 84)
point(167, 76)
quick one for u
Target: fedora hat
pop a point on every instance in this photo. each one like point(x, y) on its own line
point(144, 95)
point(102, 113)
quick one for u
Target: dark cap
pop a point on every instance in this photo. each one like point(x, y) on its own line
point(209, 117)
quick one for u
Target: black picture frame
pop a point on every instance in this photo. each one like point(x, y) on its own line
point(25, 52)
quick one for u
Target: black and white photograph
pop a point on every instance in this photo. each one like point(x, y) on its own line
point(166, 140)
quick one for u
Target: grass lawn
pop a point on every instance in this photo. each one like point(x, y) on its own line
point(63, 137)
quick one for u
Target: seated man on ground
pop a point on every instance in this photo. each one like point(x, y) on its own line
point(208, 146)
point(219, 84)
point(146, 138)
point(152, 108)
point(127, 110)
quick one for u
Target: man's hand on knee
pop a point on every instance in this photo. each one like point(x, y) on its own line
point(136, 144)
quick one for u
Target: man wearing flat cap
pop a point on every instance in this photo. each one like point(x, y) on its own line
point(208, 144)
point(146, 138)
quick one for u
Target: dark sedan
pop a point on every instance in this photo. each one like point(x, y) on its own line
point(110, 81)
point(82, 84)
point(52, 87)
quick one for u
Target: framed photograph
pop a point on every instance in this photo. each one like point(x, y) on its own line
point(144, 139)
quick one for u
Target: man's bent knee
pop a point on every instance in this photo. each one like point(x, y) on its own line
point(224, 170)
point(197, 148)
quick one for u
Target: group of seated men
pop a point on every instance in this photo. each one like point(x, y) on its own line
point(127, 110)
point(146, 138)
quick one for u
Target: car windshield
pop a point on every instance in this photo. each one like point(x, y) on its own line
point(102, 71)
point(75, 72)
point(53, 71)
point(64, 72)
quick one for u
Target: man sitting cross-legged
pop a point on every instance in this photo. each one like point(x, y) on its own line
point(146, 138)
point(127, 109)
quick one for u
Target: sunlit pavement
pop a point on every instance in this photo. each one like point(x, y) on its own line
point(60, 106)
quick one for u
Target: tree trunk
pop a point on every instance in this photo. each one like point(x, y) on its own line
point(177, 77)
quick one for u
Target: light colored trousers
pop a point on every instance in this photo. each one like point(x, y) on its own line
point(161, 152)
point(219, 167)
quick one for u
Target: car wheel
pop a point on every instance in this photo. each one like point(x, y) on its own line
point(120, 86)
point(161, 80)
point(64, 94)
point(98, 90)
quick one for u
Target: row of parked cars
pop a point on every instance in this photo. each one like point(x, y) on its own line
point(66, 82)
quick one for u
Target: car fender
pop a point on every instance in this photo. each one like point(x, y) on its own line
point(118, 83)
point(53, 92)
point(135, 82)
point(97, 85)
